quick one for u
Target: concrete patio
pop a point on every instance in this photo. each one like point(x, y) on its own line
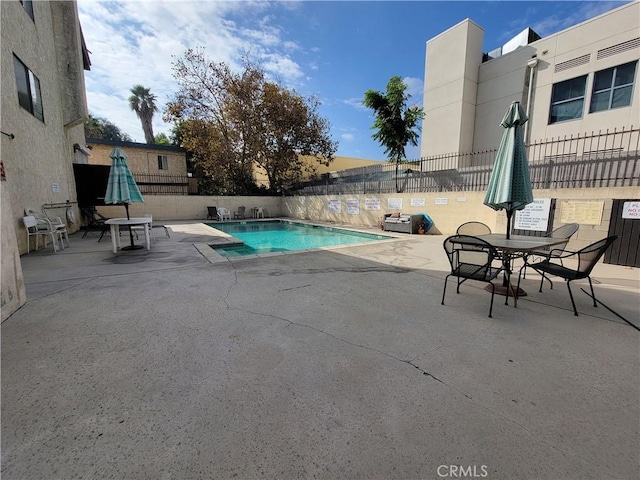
point(333, 364)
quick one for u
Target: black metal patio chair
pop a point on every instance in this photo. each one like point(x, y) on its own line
point(586, 257)
point(471, 258)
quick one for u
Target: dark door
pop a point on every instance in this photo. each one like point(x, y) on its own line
point(625, 250)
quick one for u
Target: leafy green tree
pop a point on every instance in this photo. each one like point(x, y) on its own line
point(97, 127)
point(143, 102)
point(161, 139)
point(232, 122)
point(395, 122)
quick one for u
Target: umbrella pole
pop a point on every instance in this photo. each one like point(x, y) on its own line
point(509, 213)
point(133, 246)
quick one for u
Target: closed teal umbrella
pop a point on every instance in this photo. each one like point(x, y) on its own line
point(122, 188)
point(510, 185)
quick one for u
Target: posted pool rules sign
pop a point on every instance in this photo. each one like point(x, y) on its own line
point(631, 210)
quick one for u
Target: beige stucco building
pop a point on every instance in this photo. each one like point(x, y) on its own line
point(43, 112)
point(142, 158)
point(582, 79)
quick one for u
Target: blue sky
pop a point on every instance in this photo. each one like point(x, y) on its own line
point(335, 50)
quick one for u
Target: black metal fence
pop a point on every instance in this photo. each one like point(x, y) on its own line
point(602, 159)
point(150, 184)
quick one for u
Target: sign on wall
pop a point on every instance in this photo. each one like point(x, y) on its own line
point(631, 210)
point(372, 204)
point(394, 204)
point(353, 206)
point(417, 202)
point(534, 216)
point(334, 205)
point(586, 212)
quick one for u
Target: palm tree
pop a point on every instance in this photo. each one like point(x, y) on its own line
point(394, 120)
point(143, 102)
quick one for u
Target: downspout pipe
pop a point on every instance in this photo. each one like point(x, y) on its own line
point(532, 64)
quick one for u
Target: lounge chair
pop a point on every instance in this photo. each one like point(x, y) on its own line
point(95, 221)
point(239, 213)
point(212, 213)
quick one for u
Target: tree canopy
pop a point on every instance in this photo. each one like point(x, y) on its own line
point(395, 122)
point(232, 122)
point(97, 127)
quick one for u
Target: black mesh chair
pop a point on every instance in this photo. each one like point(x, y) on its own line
point(471, 258)
point(586, 257)
point(212, 213)
point(94, 221)
point(473, 228)
point(565, 232)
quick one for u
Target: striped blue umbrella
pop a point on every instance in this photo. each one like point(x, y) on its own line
point(510, 184)
point(122, 188)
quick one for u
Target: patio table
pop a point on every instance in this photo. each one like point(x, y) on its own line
point(515, 246)
point(115, 224)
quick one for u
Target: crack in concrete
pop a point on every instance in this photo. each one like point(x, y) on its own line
point(409, 362)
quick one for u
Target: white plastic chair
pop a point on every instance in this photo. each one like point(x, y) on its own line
point(45, 222)
point(136, 228)
point(35, 228)
point(223, 212)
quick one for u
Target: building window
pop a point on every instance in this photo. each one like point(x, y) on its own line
point(162, 162)
point(28, 7)
point(567, 99)
point(28, 85)
point(612, 88)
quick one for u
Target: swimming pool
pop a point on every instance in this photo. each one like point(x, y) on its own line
point(284, 236)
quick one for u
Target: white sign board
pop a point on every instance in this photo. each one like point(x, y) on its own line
point(417, 202)
point(631, 210)
point(372, 204)
point(394, 204)
point(334, 205)
point(353, 206)
point(55, 187)
point(534, 216)
point(441, 201)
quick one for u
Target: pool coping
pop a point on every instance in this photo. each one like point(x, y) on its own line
point(212, 256)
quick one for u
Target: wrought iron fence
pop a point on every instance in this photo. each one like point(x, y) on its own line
point(602, 159)
point(151, 184)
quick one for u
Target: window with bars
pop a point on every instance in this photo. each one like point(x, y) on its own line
point(162, 162)
point(567, 99)
point(28, 86)
point(613, 87)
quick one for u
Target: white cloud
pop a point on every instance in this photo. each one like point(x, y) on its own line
point(135, 42)
point(355, 102)
point(415, 86)
point(348, 137)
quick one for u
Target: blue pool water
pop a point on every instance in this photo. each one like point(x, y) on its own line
point(283, 236)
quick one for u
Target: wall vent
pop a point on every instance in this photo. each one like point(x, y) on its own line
point(574, 62)
point(619, 48)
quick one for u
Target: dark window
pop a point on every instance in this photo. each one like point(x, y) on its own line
point(28, 89)
point(162, 162)
point(567, 99)
point(613, 87)
point(28, 7)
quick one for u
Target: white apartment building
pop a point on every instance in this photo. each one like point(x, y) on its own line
point(580, 80)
